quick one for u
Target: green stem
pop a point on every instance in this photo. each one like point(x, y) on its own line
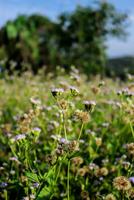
point(65, 132)
point(58, 172)
point(132, 130)
point(5, 194)
point(68, 177)
point(39, 190)
point(81, 131)
point(61, 162)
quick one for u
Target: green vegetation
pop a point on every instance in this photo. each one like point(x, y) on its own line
point(120, 66)
point(66, 138)
point(63, 136)
point(78, 38)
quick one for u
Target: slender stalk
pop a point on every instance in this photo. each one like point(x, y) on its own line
point(132, 130)
point(68, 177)
point(39, 190)
point(65, 132)
point(61, 162)
point(81, 131)
point(58, 172)
point(5, 195)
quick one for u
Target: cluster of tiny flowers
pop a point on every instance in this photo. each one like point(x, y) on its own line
point(85, 195)
point(67, 146)
point(130, 148)
point(35, 101)
point(89, 105)
point(18, 137)
point(77, 160)
point(114, 103)
point(110, 197)
point(83, 116)
point(121, 183)
point(63, 104)
point(74, 91)
point(126, 92)
point(101, 172)
point(57, 92)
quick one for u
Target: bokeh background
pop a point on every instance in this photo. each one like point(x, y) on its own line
point(54, 48)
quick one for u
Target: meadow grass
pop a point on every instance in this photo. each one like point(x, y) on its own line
point(66, 138)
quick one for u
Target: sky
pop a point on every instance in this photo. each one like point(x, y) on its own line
point(10, 9)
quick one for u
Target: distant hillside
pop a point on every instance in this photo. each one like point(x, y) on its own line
point(120, 65)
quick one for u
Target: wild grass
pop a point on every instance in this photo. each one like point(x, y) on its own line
point(66, 138)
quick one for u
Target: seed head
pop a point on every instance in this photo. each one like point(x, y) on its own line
point(95, 90)
point(83, 116)
point(85, 195)
point(110, 197)
point(98, 141)
point(83, 171)
point(73, 146)
point(121, 183)
point(130, 148)
point(63, 104)
point(77, 160)
point(101, 172)
point(131, 193)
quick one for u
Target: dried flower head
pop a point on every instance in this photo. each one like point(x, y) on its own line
point(121, 183)
point(110, 197)
point(83, 116)
point(63, 104)
point(77, 160)
point(95, 90)
point(83, 171)
point(73, 146)
point(6, 128)
point(130, 148)
point(85, 195)
point(101, 172)
point(98, 141)
point(51, 159)
point(131, 193)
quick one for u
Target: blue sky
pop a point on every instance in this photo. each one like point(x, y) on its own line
point(9, 9)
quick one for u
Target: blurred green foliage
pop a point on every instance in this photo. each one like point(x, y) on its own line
point(77, 38)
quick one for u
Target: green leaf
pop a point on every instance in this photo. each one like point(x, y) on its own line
point(32, 177)
point(45, 192)
point(11, 31)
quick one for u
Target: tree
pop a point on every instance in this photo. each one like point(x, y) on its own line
point(83, 34)
point(76, 38)
point(23, 40)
